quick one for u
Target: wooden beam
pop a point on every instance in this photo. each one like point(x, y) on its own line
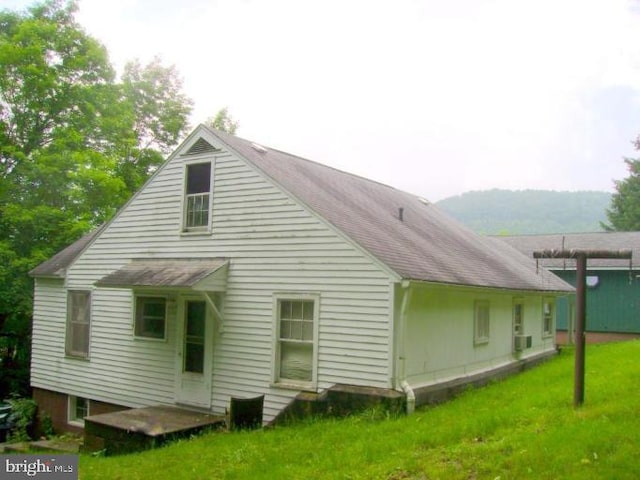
point(581, 257)
point(581, 321)
point(576, 252)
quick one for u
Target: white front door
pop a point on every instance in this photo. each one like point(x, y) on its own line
point(194, 353)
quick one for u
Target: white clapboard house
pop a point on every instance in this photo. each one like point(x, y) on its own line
point(240, 271)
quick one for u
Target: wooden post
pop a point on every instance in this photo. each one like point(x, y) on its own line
point(581, 257)
point(581, 327)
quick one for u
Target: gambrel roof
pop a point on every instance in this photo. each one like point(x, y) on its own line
point(406, 233)
point(527, 244)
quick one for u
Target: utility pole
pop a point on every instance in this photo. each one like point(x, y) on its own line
point(581, 257)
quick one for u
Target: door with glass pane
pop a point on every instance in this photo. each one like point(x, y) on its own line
point(193, 362)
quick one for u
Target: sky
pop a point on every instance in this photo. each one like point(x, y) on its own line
point(435, 97)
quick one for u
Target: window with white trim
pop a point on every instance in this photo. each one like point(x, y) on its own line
point(197, 201)
point(150, 317)
point(296, 339)
point(548, 316)
point(518, 317)
point(481, 322)
point(78, 323)
point(78, 409)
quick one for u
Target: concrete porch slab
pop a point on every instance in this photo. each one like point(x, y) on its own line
point(138, 429)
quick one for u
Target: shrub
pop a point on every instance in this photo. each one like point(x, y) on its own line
point(23, 412)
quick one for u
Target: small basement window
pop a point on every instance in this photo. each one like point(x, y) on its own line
point(150, 317)
point(78, 410)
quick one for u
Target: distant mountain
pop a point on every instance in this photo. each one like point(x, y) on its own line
point(496, 212)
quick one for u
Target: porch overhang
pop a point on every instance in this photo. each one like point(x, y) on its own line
point(202, 275)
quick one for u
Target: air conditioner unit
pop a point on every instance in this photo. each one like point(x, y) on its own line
point(521, 342)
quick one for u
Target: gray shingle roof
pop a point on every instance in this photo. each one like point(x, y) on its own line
point(425, 245)
point(527, 244)
point(57, 265)
point(162, 273)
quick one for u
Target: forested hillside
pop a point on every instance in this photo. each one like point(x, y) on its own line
point(511, 212)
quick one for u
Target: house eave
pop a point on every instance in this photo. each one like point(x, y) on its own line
point(431, 283)
point(57, 276)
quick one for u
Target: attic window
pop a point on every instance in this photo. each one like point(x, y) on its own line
point(197, 196)
point(201, 146)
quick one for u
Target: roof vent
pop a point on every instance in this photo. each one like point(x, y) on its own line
point(201, 146)
point(259, 148)
point(424, 201)
point(401, 214)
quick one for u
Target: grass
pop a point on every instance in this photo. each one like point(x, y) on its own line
point(522, 427)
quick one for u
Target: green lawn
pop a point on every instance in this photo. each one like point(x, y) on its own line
point(523, 427)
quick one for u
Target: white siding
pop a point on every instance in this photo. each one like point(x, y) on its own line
point(49, 313)
point(274, 245)
point(439, 334)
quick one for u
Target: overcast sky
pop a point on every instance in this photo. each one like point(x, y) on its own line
point(435, 97)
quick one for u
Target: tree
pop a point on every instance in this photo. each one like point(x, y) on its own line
point(74, 145)
point(624, 213)
point(51, 82)
point(160, 113)
point(223, 121)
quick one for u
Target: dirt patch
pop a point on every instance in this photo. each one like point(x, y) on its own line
point(562, 337)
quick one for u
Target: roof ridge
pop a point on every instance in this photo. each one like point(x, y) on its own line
point(497, 235)
point(392, 226)
point(250, 143)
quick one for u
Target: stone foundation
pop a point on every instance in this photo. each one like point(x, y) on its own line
point(441, 392)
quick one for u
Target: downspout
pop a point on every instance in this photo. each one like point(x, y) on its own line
point(406, 388)
point(411, 397)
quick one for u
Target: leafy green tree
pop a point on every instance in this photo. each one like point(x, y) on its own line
point(624, 212)
point(159, 113)
point(51, 82)
point(74, 145)
point(223, 121)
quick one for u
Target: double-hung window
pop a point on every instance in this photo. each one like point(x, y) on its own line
point(197, 202)
point(296, 340)
point(150, 317)
point(518, 317)
point(481, 322)
point(78, 323)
